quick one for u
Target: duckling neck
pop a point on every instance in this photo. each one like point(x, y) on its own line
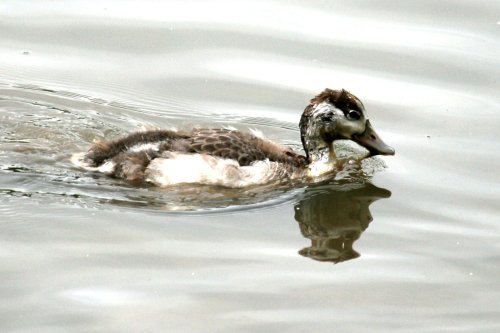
point(322, 161)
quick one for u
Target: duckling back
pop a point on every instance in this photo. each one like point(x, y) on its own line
point(206, 156)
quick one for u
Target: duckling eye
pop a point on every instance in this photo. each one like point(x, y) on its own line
point(327, 117)
point(353, 115)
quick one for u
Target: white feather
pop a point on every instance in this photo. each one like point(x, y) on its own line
point(257, 133)
point(179, 168)
point(145, 146)
point(79, 161)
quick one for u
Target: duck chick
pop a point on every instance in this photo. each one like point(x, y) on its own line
point(234, 158)
point(336, 115)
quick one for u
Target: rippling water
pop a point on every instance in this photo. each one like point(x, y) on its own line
point(416, 246)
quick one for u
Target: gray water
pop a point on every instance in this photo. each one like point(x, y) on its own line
point(414, 248)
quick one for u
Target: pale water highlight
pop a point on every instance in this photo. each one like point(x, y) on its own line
point(406, 243)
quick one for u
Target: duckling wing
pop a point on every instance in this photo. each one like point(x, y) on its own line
point(243, 147)
point(226, 144)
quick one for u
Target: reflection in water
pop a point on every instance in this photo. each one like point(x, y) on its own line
point(333, 218)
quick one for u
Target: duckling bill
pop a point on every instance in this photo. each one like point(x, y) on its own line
point(234, 158)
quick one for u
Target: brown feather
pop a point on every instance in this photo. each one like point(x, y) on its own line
point(102, 150)
point(242, 147)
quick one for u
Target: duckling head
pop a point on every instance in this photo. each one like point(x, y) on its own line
point(336, 115)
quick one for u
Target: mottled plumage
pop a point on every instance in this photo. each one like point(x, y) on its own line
point(236, 158)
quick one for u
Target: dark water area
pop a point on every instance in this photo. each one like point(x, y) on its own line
point(414, 247)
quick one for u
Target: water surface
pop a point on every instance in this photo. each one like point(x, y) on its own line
point(416, 247)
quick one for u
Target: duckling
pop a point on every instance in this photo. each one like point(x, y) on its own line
point(234, 158)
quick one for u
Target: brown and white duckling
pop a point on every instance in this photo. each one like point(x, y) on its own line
point(234, 158)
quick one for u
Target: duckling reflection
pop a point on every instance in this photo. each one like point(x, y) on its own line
point(333, 217)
